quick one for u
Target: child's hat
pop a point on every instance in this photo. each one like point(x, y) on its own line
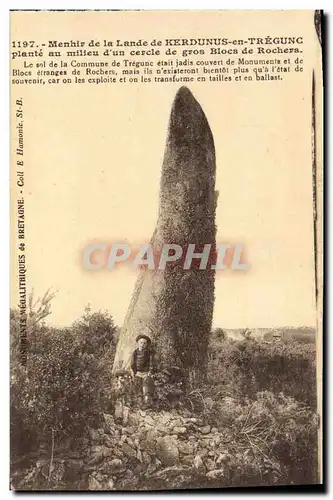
point(143, 337)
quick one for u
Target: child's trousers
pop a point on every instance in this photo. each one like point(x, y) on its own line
point(144, 383)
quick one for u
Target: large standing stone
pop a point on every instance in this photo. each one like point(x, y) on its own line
point(175, 306)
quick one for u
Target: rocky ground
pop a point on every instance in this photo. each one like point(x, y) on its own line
point(155, 450)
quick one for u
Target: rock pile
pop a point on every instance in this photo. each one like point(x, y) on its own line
point(156, 450)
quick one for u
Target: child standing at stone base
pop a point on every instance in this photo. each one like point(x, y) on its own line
point(141, 367)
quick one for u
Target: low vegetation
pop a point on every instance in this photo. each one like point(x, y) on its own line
point(259, 398)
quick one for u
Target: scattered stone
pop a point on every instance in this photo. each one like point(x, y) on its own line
point(186, 413)
point(96, 434)
point(93, 484)
point(215, 474)
point(198, 465)
point(117, 452)
point(116, 463)
point(149, 420)
point(145, 458)
point(172, 477)
point(186, 448)
point(167, 450)
point(179, 430)
point(223, 457)
point(95, 459)
point(128, 430)
point(187, 460)
point(168, 471)
point(128, 450)
point(165, 419)
point(110, 484)
point(203, 453)
point(99, 477)
point(205, 429)
point(192, 419)
point(125, 414)
point(161, 430)
point(108, 421)
point(214, 430)
point(118, 411)
point(108, 442)
point(178, 423)
point(210, 464)
point(209, 402)
point(128, 484)
point(130, 442)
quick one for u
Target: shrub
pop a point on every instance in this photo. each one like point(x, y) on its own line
point(59, 392)
point(249, 366)
point(272, 437)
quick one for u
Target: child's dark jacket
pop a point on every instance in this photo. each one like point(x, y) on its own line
point(142, 361)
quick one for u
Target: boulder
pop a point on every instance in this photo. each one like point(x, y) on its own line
point(167, 450)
